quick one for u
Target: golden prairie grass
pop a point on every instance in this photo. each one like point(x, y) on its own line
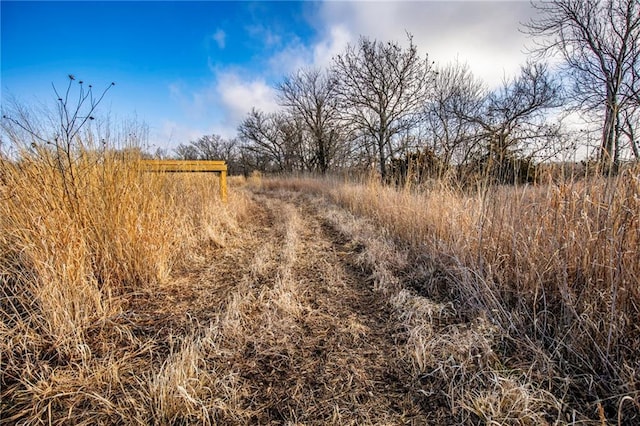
point(519, 305)
point(552, 274)
point(78, 241)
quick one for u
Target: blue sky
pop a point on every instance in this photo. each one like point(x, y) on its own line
point(194, 68)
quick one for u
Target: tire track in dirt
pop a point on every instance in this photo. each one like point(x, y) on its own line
point(344, 368)
point(279, 326)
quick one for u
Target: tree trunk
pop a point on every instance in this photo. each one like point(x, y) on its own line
point(382, 157)
point(606, 157)
point(632, 138)
point(322, 154)
point(616, 144)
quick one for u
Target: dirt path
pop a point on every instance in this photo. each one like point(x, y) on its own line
point(351, 327)
point(338, 361)
point(289, 328)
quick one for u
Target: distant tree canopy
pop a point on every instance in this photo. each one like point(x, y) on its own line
point(382, 107)
point(212, 147)
point(599, 43)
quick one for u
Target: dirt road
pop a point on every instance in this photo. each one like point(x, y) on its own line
point(330, 356)
point(297, 333)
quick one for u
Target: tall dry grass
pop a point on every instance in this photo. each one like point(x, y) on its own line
point(555, 268)
point(79, 239)
point(530, 315)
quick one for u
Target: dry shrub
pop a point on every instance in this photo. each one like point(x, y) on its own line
point(78, 240)
point(555, 268)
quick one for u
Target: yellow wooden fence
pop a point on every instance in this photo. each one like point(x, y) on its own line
point(192, 166)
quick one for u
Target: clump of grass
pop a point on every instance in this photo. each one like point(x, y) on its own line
point(78, 240)
point(554, 267)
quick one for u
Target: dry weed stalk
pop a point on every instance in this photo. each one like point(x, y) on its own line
point(75, 248)
point(553, 269)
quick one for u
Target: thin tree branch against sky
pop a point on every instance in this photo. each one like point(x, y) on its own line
point(194, 68)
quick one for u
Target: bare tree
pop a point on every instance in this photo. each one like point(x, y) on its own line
point(311, 95)
point(457, 96)
point(213, 147)
point(631, 114)
point(274, 139)
point(513, 120)
point(381, 87)
point(208, 147)
point(599, 41)
point(187, 152)
point(629, 127)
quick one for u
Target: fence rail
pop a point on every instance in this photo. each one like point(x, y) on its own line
point(192, 166)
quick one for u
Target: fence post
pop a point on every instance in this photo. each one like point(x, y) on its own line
point(223, 186)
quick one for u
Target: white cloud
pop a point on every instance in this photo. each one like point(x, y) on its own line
point(171, 134)
point(484, 34)
point(196, 103)
point(294, 56)
point(220, 106)
point(238, 95)
point(335, 42)
point(220, 38)
point(265, 34)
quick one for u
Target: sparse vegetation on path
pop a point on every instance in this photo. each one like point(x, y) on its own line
point(302, 333)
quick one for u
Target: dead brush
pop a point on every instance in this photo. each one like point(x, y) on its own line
point(74, 248)
point(553, 267)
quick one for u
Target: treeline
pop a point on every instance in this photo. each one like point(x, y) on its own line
point(383, 106)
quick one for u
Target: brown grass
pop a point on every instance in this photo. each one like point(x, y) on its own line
point(550, 273)
point(237, 314)
point(137, 298)
point(77, 244)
